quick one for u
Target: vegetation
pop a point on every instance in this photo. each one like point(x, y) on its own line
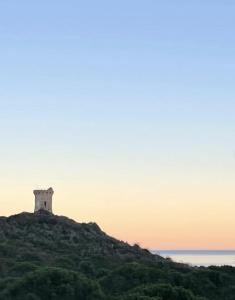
point(46, 257)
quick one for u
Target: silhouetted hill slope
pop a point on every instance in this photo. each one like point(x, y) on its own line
point(48, 257)
point(49, 239)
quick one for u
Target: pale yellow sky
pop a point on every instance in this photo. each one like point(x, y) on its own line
point(156, 213)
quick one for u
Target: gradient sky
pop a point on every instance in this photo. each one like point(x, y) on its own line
point(126, 108)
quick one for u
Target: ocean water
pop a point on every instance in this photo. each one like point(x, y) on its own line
point(200, 257)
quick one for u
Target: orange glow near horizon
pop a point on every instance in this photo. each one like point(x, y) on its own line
point(162, 217)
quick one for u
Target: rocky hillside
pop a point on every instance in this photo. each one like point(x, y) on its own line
point(50, 240)
point(48, 257)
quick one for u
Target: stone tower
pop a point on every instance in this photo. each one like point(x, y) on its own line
point(43, 199)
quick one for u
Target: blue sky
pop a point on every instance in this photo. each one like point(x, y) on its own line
point(127, 90)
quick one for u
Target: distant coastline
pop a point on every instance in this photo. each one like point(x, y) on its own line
point(198, 252)
point(200, 257)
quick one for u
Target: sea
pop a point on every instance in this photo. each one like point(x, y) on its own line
point(200, 257)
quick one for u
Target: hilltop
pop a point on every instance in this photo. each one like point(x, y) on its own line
point(47, 257)
point(48, 239)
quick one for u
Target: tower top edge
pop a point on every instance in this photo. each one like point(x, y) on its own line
point(50, 190)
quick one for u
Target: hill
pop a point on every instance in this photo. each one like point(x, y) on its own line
point(50, 240)
point(43, 256)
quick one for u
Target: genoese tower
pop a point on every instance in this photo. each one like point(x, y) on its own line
point(43, 200)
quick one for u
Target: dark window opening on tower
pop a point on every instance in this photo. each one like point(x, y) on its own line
point(45, 204)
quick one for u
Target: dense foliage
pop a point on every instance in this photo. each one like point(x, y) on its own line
point(46, 257)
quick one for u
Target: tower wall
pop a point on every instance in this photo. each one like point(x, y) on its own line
point(43, 199)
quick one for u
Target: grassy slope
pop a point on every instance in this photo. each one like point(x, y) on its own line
point(43, 256)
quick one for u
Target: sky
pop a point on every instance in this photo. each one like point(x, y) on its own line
point(126, 108)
